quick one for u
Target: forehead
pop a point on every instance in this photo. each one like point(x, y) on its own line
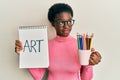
point(63, 16)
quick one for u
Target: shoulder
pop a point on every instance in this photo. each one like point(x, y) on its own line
point(51, 40)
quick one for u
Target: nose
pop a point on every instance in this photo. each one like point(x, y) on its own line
point(66, 25)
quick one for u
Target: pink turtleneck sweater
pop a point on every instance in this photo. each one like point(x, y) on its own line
point(64, 64)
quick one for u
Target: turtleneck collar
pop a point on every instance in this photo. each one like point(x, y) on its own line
point(61, 39)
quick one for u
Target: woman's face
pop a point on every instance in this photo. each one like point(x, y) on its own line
point(63, 24)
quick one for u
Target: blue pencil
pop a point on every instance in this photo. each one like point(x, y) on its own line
point(78, 41)
point(81, 43)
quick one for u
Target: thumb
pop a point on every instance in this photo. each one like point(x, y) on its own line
point(92, 49)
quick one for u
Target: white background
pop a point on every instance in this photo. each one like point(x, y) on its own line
point(101, 17)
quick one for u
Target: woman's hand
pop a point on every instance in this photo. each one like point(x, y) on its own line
point(18, 46)
point(95, 57)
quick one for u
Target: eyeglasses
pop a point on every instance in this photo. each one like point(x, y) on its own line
point(64, 22)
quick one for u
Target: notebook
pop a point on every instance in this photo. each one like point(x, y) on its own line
point(35, 47)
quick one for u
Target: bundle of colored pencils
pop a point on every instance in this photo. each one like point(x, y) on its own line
point(84, 41)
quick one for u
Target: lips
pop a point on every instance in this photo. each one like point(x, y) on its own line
point(66, 31)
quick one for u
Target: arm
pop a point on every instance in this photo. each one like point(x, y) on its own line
point(37, 73)
point(86, 72)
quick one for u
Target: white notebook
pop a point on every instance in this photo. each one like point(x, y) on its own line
point(35, 47)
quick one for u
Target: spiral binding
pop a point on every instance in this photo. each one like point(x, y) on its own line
point(32, 27)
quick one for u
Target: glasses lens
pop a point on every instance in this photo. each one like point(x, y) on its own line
point(62, 22)
point(72, 21)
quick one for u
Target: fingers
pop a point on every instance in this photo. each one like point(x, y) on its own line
point(97, 54)
point(91, 62)
point(95, 58)
point(17, 50)
point(18, 46)
point(18, 43)
point(92, 49)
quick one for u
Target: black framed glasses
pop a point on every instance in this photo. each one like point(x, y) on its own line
point(64, 22)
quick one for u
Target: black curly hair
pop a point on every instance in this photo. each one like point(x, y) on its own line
point(58, 8)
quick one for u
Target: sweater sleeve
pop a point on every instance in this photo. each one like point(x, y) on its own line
point(86, 72)
point(37, 73)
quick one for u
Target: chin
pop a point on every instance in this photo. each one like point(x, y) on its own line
point(66, 35)
point(63, 35)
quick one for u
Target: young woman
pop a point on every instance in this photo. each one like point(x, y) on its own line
point(63, 49)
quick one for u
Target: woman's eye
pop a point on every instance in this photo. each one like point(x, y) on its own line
point(61, 22)
point(69, 22)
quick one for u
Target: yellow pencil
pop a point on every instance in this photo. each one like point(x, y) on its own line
point(84, 37)
point(91, 40)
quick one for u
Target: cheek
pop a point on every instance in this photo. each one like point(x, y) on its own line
point(70, 27)
point(58, 29)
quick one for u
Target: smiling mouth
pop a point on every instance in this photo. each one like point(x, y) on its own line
point(66, 31)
